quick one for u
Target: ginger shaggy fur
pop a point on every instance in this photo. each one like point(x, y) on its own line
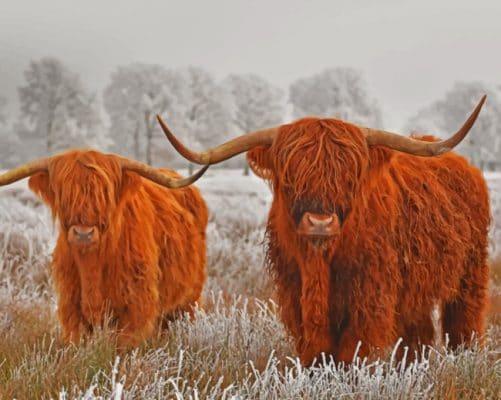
point(149, 262)
point(414, 233)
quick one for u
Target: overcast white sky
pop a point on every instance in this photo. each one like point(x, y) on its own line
point(411, 52)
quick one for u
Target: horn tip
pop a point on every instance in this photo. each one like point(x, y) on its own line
point(163, 125)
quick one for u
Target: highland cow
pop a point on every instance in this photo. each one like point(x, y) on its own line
point(367, 231)
point(128, 247)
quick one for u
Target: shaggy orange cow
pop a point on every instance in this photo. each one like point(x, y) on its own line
point(127, 245)
point(367, 231)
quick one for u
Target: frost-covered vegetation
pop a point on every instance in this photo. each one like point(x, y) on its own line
point(235, 347)
point(57, 110)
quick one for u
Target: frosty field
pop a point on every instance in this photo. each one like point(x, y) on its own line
point(234, 348)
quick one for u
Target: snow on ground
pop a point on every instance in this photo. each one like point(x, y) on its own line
point(238, 207)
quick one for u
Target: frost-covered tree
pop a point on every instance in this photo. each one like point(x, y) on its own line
point(12, 150)
point(189, 99)
point(443, 117)
point(135, 95)
point(255, 103)
point(335, 92)
point(203, 115)
point(8, 139)
point(10, 145)
point(57, 112)
point(204, 107)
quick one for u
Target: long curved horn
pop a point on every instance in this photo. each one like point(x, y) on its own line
point(224, 151)
point(23, 171)
point(419, 147)
point(157, 176)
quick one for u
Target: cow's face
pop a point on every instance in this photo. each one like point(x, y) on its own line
point(316, 167)
point(82, 188)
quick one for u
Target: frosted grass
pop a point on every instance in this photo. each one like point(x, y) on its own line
point(234, 348)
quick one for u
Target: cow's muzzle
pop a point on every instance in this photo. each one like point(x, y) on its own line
point(319, 225)
point(83, 235)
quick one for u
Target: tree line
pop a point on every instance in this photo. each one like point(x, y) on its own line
point(57, 111)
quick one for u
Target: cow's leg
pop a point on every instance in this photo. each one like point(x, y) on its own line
point(351, 344)
point(464, 316)
point(417, 334)
point(288, 292)
point(195, 298)
point(67, 284)
point(136, 325)
point(315, 288)
point(371, 326)
point(138, 318)
point(369, 336)
point(70, 318)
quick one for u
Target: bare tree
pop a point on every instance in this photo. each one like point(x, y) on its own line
point(483, 145)
point(255, 102)
point(336, 92)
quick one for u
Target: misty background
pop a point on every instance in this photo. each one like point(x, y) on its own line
point(95, 74)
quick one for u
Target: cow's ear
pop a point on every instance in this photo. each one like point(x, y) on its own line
point(40, 184)
point(260, 162)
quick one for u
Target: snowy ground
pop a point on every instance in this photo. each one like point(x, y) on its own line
point(233, 339)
